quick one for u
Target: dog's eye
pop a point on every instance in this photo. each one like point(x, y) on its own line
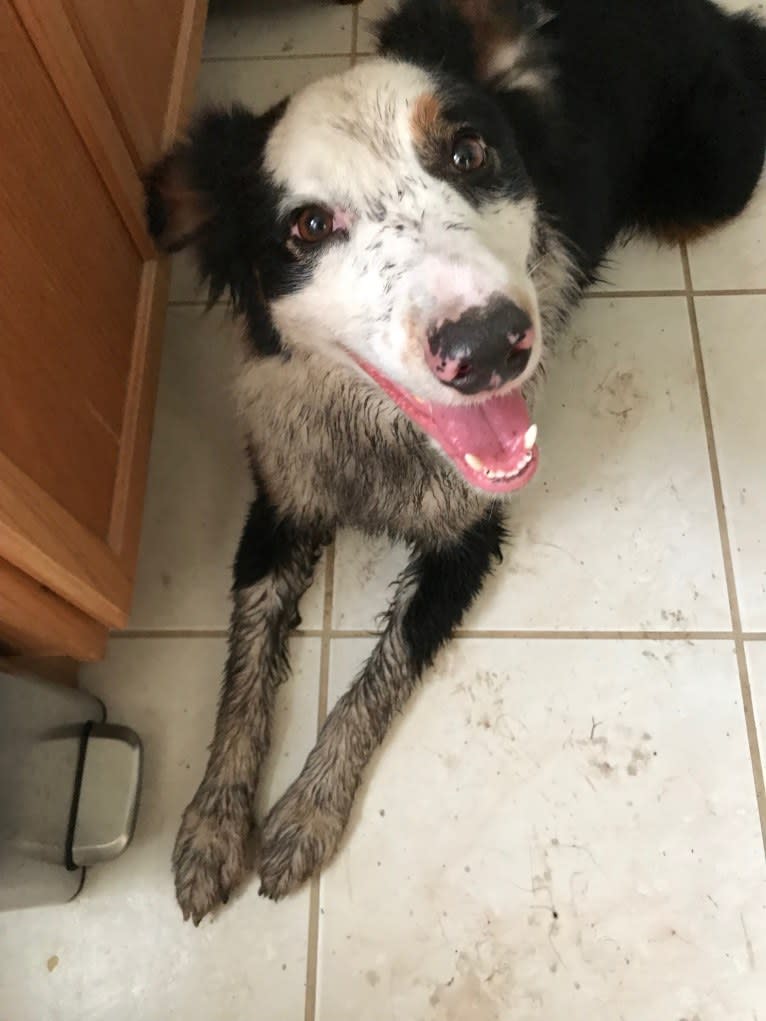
point(313, 224)
point(468, 153)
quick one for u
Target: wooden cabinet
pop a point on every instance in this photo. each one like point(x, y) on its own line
point(131, 47)
point(89, 94)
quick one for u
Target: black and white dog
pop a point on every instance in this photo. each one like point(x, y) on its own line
point(404, 241)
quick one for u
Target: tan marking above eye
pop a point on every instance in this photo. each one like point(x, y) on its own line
point(431, 133)
point(427, 121)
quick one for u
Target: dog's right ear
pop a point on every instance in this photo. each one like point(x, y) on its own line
point(176, 211)
point(183, 188)
point(209, 192)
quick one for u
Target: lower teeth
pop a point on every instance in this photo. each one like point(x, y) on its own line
point(497, 476)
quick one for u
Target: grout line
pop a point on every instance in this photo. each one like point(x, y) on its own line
point(332, 55)
point(552, 635)
point(669, 293)
point(312, 948)
point(354, 33)
point(605, 636)
point(176, 632)
point(601, 295)
point(545, 635)
point(723, 527)
point(729, 292)
point(188, 632)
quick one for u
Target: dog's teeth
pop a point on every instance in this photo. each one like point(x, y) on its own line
point(473, 462)
point(529, 437)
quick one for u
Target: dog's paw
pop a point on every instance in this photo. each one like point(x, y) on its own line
point(298, 838)
point(211, 853)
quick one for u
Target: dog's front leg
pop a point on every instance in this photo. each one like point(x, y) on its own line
point(274, 566)
point(304, 828)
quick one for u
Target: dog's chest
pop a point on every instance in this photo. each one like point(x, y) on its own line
point(332, 450)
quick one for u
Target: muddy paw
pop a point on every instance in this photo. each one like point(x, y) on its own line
point(212, 850)
point(298, 838)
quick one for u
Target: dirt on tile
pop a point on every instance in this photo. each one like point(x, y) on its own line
point(619, 396)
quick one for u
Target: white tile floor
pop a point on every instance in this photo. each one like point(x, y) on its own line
point(565, 824)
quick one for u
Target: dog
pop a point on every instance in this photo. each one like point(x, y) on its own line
point(404, 241)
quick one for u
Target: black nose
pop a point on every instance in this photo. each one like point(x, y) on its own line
point(483, 349)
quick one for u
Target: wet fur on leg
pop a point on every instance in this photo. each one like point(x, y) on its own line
point(274, 566)
point(303, 830)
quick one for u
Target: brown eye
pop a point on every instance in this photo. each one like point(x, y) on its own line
point(313, 224)
point(468, 153)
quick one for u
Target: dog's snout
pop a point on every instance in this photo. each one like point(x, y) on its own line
point(483, 349)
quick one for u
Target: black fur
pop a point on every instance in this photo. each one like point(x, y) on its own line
point(448, 581)
point(656, 118)
point(265, 543)
point(239, 245)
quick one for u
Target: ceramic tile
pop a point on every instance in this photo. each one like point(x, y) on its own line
point(641, 265)
point(258, 84)
point(370, 11)
point(241, 28)
point(121, 948)
point(199, 489)
point(731, 334)
point(623, 495)
point(548, 833)
point(734, 257)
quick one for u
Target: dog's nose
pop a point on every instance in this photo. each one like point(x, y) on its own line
point(483, 349)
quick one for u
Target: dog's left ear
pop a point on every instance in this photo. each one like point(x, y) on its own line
point(480, 40)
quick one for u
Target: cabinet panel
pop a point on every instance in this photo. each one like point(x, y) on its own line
point(131, 46)
point(34, 619)
point(69, 282)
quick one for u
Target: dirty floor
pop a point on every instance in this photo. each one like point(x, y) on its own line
point(565, 824)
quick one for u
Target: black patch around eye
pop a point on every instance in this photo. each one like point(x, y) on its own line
point(474, 114)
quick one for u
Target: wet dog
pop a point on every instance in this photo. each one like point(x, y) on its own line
point(404, 241)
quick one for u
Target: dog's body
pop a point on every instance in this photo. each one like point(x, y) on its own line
point(400, 240)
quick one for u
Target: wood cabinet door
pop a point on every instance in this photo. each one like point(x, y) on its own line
point(70, 277)
point(131, 46)
point(81, 303)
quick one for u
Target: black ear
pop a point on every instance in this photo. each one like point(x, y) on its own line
point(477, 40)
point(209, 191)
point(430, 33)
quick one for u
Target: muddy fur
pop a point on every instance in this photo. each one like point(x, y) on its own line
point(599, 119)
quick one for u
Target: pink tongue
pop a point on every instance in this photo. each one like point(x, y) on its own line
point(492, 431)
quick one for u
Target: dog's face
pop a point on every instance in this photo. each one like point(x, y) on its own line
point(383, 217)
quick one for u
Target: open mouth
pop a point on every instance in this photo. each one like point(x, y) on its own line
point(491, 444)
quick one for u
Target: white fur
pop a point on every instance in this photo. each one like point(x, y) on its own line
point(417, 252)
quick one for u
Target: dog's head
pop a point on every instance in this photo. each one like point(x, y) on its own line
point(383, 216)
